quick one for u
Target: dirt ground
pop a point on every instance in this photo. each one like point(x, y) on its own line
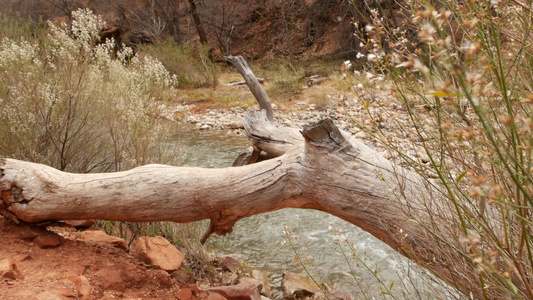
point(77, 269)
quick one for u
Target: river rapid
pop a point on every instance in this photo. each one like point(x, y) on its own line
point(261, 240)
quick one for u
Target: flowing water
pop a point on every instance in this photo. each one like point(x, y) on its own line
point(259, 240)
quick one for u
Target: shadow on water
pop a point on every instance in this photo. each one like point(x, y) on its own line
point(259, 240)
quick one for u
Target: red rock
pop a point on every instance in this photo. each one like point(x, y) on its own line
point(184, 294)
point(246, 290)
point(100, 236)
point(158, 252)
point(229, 263)
point(215, 296)
point(48, 240)
point(29, 233)
point(83, 287)
point(163, 278)
point(9, 269)
point(181, 276)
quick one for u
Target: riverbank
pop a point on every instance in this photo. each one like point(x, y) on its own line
point(366, 110)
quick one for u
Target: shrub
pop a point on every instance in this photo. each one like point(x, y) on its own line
point(69, 102)
point(465, 83)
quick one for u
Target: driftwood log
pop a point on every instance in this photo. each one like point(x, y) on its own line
point(318, 168)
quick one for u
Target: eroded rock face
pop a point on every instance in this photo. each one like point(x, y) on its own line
point(158, 252)
point(298, 286)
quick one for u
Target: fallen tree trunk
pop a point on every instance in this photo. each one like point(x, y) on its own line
point(318, 168)
point(327, 172)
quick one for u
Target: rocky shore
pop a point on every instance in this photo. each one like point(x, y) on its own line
point(369, 119)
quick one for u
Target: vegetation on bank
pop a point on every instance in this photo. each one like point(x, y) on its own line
point(470, 70)
point(462, 71)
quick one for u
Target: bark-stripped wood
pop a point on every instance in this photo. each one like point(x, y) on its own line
point(253, 84)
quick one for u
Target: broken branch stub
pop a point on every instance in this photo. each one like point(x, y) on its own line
point(253, 84)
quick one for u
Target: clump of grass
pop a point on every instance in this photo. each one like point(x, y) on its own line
point(13, 26)
point(283, 79)
point(471, 72)
point(191, 65)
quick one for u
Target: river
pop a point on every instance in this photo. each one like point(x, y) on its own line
point(261, 240)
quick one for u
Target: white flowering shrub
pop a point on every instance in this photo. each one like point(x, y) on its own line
point(71, 102)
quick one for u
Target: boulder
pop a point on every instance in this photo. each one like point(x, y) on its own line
point(9, 269)
point(229, 263)
point(298, 286)
point(262, 276)
point(158, 252)
point(48, 240)
point(98, 235)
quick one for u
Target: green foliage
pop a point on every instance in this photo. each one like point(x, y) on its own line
point(192, 65)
